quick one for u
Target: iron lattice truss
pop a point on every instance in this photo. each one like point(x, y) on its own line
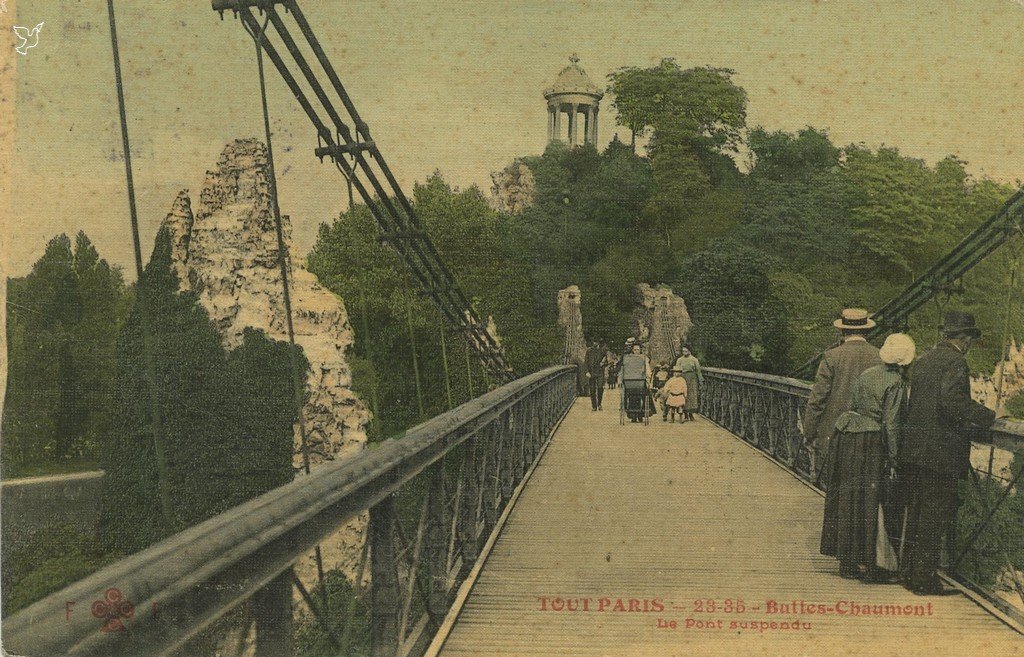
point(944, 274)
point(344, 138)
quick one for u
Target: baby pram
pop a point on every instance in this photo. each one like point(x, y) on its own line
point(634, 402)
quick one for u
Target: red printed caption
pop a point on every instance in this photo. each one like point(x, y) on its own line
point(736, 614)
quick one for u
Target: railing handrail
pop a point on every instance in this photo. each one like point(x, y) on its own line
point(200, 572)
point(1005, 434)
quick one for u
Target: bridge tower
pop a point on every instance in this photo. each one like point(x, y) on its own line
point(573, 93)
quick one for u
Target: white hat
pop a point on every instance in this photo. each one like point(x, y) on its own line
point(899, 349)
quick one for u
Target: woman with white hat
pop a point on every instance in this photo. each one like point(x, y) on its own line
point(864, 458)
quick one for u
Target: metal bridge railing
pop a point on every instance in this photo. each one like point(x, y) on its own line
point(766, 411)
point(433, 496)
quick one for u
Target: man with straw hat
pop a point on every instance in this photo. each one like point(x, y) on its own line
point(833, 384)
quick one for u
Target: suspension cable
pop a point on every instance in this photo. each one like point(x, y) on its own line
point(148, 337)
point(282, 263)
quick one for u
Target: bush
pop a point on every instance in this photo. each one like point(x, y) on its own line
point(50, 560)
point(344, 609)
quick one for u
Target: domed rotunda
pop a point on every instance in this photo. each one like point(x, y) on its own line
point(573, 93)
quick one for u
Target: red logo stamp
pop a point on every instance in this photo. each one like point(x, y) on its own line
point(112, 609)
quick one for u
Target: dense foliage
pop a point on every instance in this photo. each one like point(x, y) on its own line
point(224, 419)
point(62, 323)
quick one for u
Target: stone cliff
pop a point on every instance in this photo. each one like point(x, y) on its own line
point(513, 188)
point(661, 321)
point(225, 250)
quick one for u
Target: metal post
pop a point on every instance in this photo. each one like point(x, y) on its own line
point(385, 592)
point(272, 609)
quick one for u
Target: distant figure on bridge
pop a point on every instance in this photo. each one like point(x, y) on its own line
point(594, 363)
point(936, 448)
point(636, 381)
point(673, 397)
point(689, 367)
point(858, 508)
point(614, 361)
point(830, 395)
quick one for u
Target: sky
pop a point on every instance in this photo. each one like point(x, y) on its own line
point(456, 86)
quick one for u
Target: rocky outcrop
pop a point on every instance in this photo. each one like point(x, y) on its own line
point(570, 319)
point(661, 322)
point(225, 250)
point(1010, 373)
point(513, 188)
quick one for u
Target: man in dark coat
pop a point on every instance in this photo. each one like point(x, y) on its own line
point(594, 363)
point(936, 449)
point(833, 385)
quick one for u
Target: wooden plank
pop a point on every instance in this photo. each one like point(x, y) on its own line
point(684, 513)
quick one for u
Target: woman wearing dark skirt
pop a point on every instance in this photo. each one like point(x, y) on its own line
point(863, 457)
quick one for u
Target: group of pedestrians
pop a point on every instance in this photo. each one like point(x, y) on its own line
point(889, 438)
point(675, 389)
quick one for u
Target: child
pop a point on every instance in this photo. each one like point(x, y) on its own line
point(673, 396)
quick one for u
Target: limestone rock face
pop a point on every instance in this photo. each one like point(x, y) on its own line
point(661, 321)
point(570, 319)
point(513, 188)
point(985, 388)
point(226, 252)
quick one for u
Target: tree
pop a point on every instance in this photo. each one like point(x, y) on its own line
point(700, 105)
point(62, 326)
point(737, 320)
point(225, 419)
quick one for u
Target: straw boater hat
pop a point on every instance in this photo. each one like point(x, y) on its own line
point(854, 318)
point(899, 349)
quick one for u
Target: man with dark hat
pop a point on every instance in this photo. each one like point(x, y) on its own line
point(936, 448)
point(594, 363)
point(833, 385)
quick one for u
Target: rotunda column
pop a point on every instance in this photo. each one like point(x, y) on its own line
point(593, 124)
point(558, 121)
point(573, 111)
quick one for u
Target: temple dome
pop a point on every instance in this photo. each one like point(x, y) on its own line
point(573, 80)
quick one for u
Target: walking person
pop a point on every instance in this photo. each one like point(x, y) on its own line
point(864, 448)
point(830, 395)
point(936, 449)
point(613, 369)
point(594, 363)
point(689, 368)
point(636, 380)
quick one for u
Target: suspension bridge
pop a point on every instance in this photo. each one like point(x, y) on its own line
point(521, 522)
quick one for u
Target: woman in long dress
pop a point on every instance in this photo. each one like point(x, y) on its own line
point(635, 376)
point(863, 457)
point(689, 369)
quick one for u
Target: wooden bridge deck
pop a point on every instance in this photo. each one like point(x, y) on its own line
point(683, 513)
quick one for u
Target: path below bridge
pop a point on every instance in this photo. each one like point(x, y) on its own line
point(686, 515)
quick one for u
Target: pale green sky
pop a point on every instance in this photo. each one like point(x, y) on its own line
point(456, 86)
